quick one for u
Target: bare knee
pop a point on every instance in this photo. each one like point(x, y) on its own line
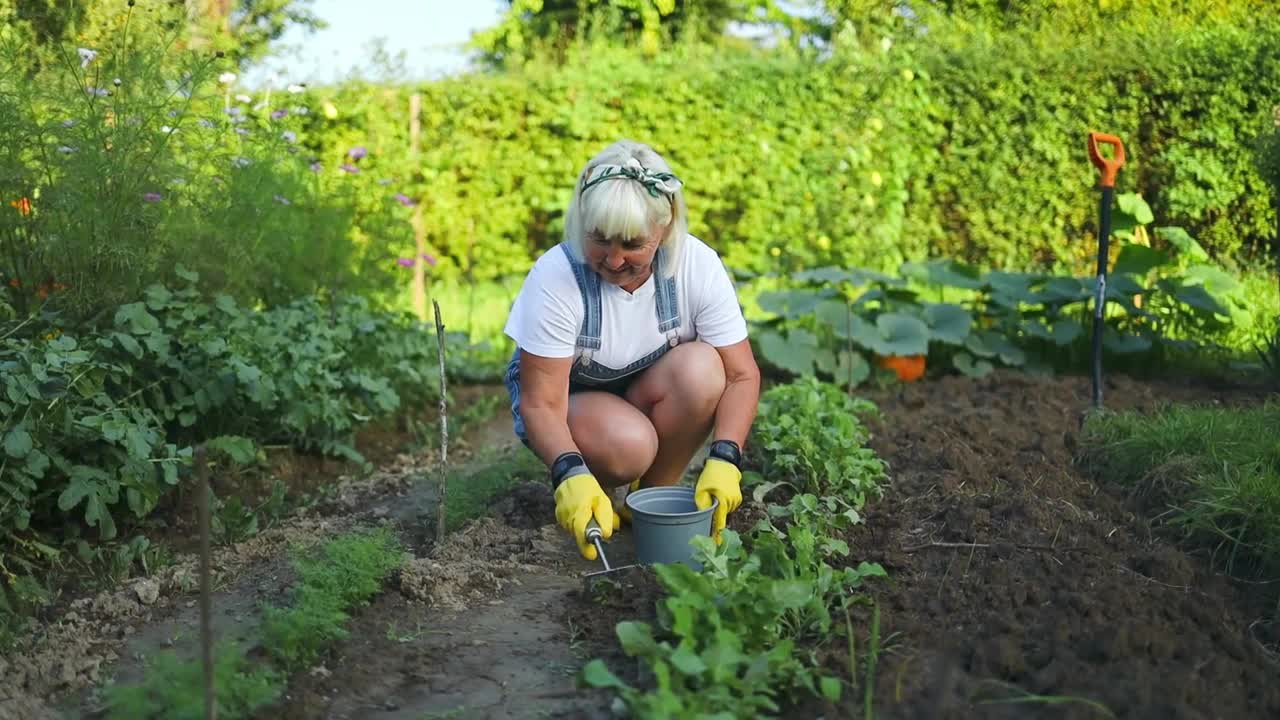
point(698, 379)
point(618, 447)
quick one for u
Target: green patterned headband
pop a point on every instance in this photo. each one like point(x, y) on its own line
point(656, 183)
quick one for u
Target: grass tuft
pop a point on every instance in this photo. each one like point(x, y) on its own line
point(174, 688)
point(342, 574)
point(1213, 475)
point(333, 578)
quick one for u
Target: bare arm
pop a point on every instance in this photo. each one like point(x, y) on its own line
point(544, 405)
point(737, 409)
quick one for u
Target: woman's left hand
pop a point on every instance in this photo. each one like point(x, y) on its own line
point(719, 479)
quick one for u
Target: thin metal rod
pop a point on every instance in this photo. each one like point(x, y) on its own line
point(600, 552)
point(1100, 296)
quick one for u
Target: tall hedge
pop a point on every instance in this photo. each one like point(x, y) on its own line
point(960, 143)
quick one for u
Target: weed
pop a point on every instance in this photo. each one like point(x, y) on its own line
point(472, 489)
point(342, 574)
point(174, 688)
point(1023, 696)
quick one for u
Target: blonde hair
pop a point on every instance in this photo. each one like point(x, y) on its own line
point(629, 206)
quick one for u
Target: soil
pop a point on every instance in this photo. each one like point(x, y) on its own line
point(493, 623)
point(1013, 573)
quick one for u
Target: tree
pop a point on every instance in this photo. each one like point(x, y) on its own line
point(530, 26)
point(245, 29)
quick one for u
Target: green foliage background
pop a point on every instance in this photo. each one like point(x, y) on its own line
point(971, 145)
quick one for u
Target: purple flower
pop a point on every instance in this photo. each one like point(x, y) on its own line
point(205, 123)
point(233, 111)
point(278, 114)
point(405, 200)
point(357, 152)
point(152, 197)
point(405, 262)
point(350, 168)
point(316, 166)
point(289, 136)
point(431, 259)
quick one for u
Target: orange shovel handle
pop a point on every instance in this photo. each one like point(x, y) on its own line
point(1109, 168)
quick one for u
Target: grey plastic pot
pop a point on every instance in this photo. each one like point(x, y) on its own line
point(664, 520)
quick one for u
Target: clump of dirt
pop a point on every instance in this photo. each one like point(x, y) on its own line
point(1014, 573)
point(478, 562)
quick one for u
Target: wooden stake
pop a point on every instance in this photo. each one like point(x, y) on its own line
point(206, 593)
point(444, 430)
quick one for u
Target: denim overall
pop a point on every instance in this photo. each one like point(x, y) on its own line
point(585, 373)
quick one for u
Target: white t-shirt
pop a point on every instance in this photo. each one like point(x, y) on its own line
point(547, 313)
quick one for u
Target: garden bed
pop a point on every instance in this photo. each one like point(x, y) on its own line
point(1013, 575)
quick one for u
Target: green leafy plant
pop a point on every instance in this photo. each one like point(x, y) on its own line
point(740, 635)
point(811, 443)
point(99, 421)
point(835, 323)
point(749, 632)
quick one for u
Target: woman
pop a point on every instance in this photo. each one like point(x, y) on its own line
point(631, 348)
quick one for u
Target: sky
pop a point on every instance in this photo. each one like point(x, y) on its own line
point(430, 33)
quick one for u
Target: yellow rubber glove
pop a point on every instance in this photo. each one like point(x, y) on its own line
point(721, 480)
point(621, 508)
point(578, 499)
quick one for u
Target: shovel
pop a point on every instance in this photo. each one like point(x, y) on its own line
point(616, 574)
point(1109, 168)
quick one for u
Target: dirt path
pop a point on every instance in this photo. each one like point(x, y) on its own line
point(489, 624)
point(1072, 595)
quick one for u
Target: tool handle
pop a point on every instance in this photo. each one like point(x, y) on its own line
point(595, 536)
point(1110, 168)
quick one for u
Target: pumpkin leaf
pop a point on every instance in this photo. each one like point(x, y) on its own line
point(796, 352)
point(844, 367)
point(989, 344)
point(790, 304)
point(944, 272)
point(1131, 211)
point(1139, 259)
point(1124, 344)
point(966, 364)
point(1196, 296)
point(948, 322)
point(901, 334)
point(1062, 290)
point(1181, 240)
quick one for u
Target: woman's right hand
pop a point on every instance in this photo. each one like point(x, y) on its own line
point(578, 499)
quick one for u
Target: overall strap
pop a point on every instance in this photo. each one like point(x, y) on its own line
point(665, 300)
point(589, 286)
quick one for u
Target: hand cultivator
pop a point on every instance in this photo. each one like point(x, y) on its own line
point(615, 574)
point(1109, 168)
